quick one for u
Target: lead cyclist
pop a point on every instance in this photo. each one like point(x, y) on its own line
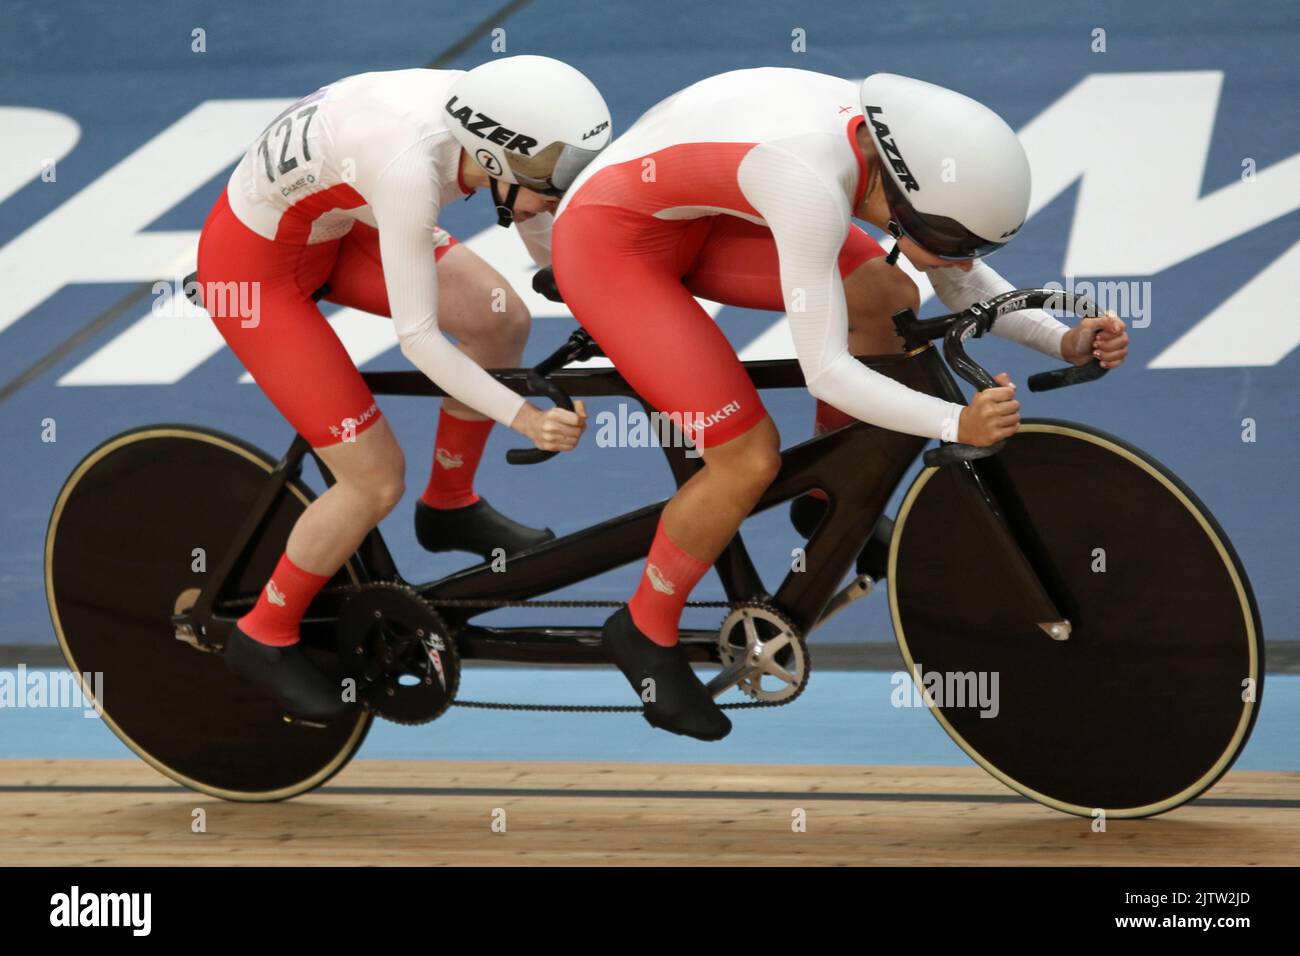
point(344, 189)
point(741, 189)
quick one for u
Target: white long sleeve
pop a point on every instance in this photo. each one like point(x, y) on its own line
point(809, 219)
point(1032, 327)
point(405, 205)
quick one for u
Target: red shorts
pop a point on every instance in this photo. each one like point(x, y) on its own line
point(631, 281)
point(288, 346)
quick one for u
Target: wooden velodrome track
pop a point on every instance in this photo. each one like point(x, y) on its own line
point(121, 812)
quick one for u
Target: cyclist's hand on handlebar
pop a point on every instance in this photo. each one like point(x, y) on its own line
point(992, 415)
point(1103, 337)
point(556, 429)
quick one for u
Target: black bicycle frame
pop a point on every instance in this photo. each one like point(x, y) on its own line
point(858, 466)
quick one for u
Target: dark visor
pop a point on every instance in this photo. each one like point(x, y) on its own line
point(558, 163)
point(946, 238)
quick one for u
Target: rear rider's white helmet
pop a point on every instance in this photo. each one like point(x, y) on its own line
point(955, 176)
point(529, 120)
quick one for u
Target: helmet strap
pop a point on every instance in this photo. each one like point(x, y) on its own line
point(505, 207)
point(896, 231)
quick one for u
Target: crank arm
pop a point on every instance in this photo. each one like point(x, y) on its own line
point(729, 677)
point(855, 590)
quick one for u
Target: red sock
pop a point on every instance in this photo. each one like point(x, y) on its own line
point(456, 454)
point(669, 577)
point(828, 419)
point(275, 618)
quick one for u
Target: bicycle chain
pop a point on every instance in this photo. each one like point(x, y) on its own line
point(549, 708)
point(580, 708)
point(350, 589)
point(488, 602)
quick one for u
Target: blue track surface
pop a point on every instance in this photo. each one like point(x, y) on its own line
point(843, 718)
point(126, 74)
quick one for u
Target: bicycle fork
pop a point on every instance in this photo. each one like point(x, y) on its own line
point(1011, 535)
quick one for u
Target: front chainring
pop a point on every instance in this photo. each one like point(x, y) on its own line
point(758, 633)
point(398, 650)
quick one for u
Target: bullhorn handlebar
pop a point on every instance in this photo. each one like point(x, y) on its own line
point(577, 347)
point(973, 322)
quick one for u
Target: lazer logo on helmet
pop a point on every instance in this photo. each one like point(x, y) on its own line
point(891, 151)
point(484, 127)
point(599, 129)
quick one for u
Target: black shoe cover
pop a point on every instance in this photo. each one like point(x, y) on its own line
point(478, 528)
point(682, 703)
point(286, 674)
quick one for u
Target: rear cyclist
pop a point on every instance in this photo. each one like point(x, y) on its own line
point(344, 189)
point(741, 189)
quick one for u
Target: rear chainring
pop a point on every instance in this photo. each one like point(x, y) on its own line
point(400, 653)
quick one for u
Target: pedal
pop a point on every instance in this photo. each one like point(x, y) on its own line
point(182, 629)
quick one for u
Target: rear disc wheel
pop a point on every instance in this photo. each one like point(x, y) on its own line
point(132, 524)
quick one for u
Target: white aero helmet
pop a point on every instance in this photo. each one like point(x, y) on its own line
point(956, 177)
point(529, 121)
